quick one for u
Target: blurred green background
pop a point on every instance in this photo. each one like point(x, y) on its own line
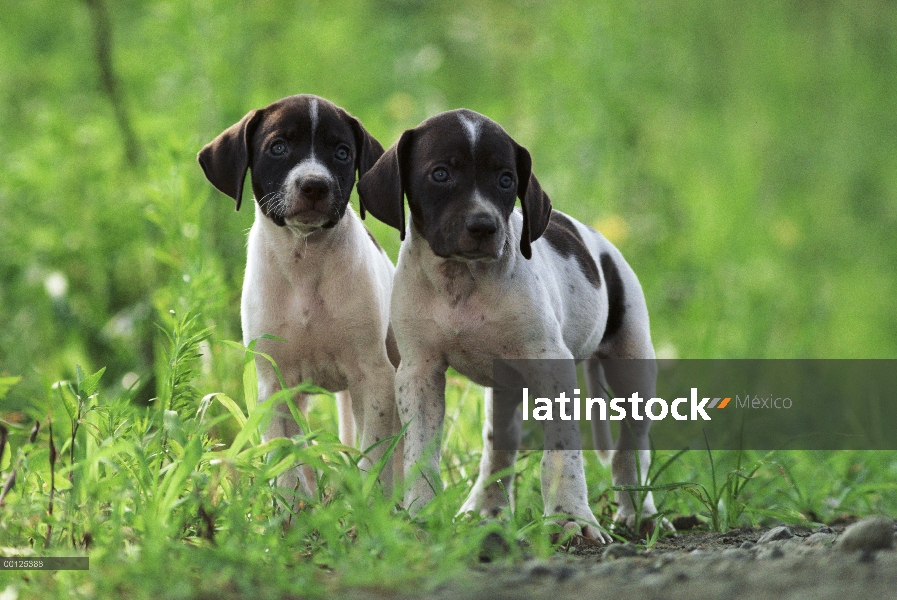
point(742, 156)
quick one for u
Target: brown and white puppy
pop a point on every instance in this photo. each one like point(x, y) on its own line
point(315, 277)
point(464, 295)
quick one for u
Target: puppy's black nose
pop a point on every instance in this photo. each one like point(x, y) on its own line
point(314, 189)
point(481, 225)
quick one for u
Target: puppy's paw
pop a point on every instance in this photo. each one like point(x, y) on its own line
point(490, 501)
point(577, 519)
point(644, 525)
point(578, 533)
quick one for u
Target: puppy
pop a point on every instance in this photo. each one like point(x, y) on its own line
point(464, 295)
point(315, 277)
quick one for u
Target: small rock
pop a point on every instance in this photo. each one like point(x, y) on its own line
point(540, 570)
point(684, 523)
point(824, 529)
point(663, 560)
point(564, 574)
point(615, 551)
point(747, 545)
point(735, 553)
point(774, 553)
point(820, 538)
point(654, 580)
point(776, 533)
point(493, 547)
point(867, 556)
point(873, 533)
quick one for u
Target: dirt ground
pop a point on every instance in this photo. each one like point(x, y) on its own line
point(842, 562)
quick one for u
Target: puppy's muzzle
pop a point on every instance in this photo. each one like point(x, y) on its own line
point(314, 189)
point(312, 204)
point(481, 238)
point(481, 226)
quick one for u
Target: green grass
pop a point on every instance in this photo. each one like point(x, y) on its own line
point(742, 159)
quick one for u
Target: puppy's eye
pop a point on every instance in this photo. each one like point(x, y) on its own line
point(506, 181)
point(440, 175)
point(278, 149)
point(342, 153)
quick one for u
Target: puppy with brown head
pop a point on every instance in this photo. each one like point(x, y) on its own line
point(315, 278)
point(479, 280)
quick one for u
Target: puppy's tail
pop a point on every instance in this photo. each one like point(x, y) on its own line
point(596, 384)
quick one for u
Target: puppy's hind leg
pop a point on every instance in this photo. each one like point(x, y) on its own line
point(300, 479)
point(597, 387)
point(489, 494)
point(629, 365)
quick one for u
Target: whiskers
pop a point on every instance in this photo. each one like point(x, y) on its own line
point(274, 204)
point(334, 207)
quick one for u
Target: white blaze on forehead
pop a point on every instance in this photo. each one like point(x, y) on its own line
point(471, 128)
point(313, 113)
point(480, 204)
point(310, 167)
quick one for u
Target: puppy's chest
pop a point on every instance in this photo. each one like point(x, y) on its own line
point(475, 332)
point(313, 337)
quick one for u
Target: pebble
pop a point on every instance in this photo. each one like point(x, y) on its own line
point(493, 546)
point(540, 570)
point(735, 553)
point(564, 573)
point(774, 553)
point(873, 533)
point(776, 533)
point(615, 551)
point(867, 556)
point(820, 538)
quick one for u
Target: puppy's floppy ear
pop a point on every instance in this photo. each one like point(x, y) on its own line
point(535, 203)
point(367, 151)
point(225, 159)
point(382, 188)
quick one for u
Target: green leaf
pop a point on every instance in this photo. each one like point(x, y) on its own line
point(87, 386)
point(6, 384)
point(250, 383)
point(251, 349)
point(173, 483)
point(374, 473)
point(262, 416)
point(173, 426)
point(230, 405)
point(69, 401)
point(7, 457)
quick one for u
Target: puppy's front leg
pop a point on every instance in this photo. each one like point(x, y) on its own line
point(300, 479)
point(420, 397)
point(563, 478)
point(564, 489)
point(373, 397)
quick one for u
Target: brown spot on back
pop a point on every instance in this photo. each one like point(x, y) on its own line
point(565, 239)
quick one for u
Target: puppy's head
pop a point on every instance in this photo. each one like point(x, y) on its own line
point(303, 152)
point(462, 174)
